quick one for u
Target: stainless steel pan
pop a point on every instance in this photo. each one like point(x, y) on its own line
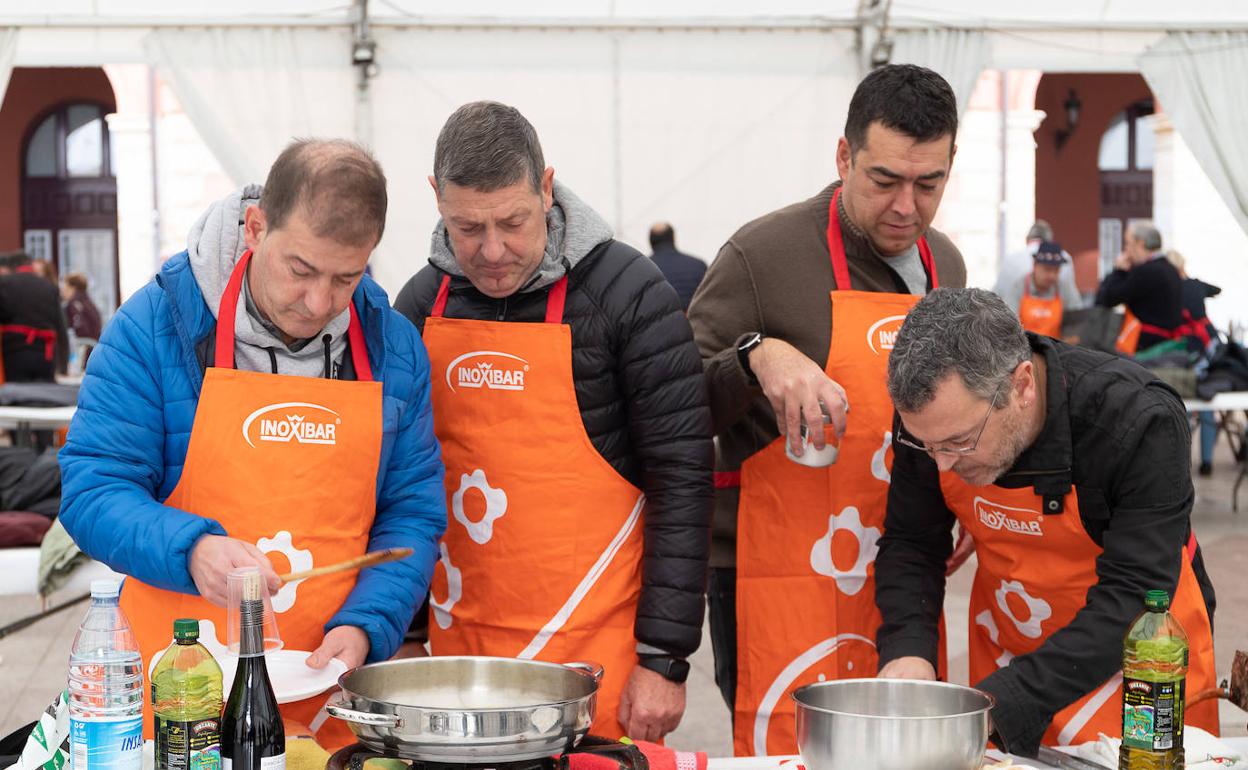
point(891, 724)
point(468, 709)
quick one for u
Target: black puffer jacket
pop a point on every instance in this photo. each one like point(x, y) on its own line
point(639, 386)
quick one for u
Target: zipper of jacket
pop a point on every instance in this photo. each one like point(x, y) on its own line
point(502, 310)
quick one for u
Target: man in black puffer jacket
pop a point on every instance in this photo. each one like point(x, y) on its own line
point(569, 400)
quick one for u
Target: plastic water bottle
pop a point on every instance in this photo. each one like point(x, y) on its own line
point(105, 687)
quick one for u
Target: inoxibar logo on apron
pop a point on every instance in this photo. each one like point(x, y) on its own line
point(487, 369)
point(292, 422)
point(1020, 521)
point(883, 333)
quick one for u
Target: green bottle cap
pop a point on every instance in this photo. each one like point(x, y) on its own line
point(186, 628)
point(1157, 601)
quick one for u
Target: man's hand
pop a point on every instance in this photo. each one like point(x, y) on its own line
point(909, 667)
point(650, 706)
point(212, 558)
point(962, 551)
point(795, 386)
point(1123, 261)
point(346, 643)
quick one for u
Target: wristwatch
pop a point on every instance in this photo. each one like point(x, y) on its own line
point(672, 669)
point(751, 341)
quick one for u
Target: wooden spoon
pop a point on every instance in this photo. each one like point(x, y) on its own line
point(360, 562)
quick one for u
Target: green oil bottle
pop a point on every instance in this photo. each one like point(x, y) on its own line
point(186, 701)
point(1154, 671)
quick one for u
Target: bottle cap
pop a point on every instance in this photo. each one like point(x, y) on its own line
point(186, 628)
point(105, 589)
point(1157, 600)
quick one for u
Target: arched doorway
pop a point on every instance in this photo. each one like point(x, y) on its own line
point(1125, 163)
point(69, 196)
point(1069, 179)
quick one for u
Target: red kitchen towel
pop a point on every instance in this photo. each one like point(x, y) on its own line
point(659, 757)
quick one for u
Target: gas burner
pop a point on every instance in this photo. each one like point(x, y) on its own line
point(626, 757)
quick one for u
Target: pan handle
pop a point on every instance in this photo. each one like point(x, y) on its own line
point(589, 667)
point(335, 706)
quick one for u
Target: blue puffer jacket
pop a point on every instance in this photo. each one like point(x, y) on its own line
point(129, 438)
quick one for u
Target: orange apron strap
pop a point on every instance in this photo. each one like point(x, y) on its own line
point(224, 356)
point(836, 249)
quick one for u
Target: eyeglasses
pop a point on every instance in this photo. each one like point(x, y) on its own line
point(957, 451)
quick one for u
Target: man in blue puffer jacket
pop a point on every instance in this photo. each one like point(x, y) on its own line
point(190, 456)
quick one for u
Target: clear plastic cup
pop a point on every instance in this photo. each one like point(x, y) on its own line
point(235, 580)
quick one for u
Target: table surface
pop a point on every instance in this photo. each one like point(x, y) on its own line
point(793, 762)
point(1222, 402)
point(36, 417)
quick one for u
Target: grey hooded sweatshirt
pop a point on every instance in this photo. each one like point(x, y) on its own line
point(214, 245)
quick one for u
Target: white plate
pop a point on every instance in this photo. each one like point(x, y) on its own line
point(291, 677)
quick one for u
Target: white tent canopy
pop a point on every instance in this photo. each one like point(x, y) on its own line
point(702, 113)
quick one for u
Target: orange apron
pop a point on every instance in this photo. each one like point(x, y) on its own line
point(1039, 315)
point(1033, 577)
point(290, 464)
point(542, 553)
point(807, 537)
point(1129, 335)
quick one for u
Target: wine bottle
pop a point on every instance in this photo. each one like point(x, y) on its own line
point(252, 735)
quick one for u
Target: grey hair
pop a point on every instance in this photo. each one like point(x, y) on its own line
point(487, 146)
point(968, 331)
point(1040, 231)
point(1148, 234)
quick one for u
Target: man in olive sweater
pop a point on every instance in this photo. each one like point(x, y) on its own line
point(795, 318)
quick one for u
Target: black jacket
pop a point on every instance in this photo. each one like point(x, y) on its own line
point(682, 271)
point(1152, 291)
point(642, 398)
point(27, 299)
point(1120, 437)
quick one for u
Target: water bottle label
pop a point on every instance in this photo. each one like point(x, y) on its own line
point(106, 745)
point(1152, 714)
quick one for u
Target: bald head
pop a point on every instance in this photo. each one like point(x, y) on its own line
point(662, 234)
point(337, 185)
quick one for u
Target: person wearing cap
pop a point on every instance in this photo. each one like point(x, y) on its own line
point(1040, 297)
point(1071, 470)
point(1016, 264)
point(259, 405)
point(795, 319)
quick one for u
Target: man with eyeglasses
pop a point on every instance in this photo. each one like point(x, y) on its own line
point(1070, 469)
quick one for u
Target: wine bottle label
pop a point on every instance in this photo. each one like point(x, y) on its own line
point(266, 763)
point(194, 745)
point(1152, 714)
point(277, 762)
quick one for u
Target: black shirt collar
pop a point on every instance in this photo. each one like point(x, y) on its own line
point(1046, 464)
